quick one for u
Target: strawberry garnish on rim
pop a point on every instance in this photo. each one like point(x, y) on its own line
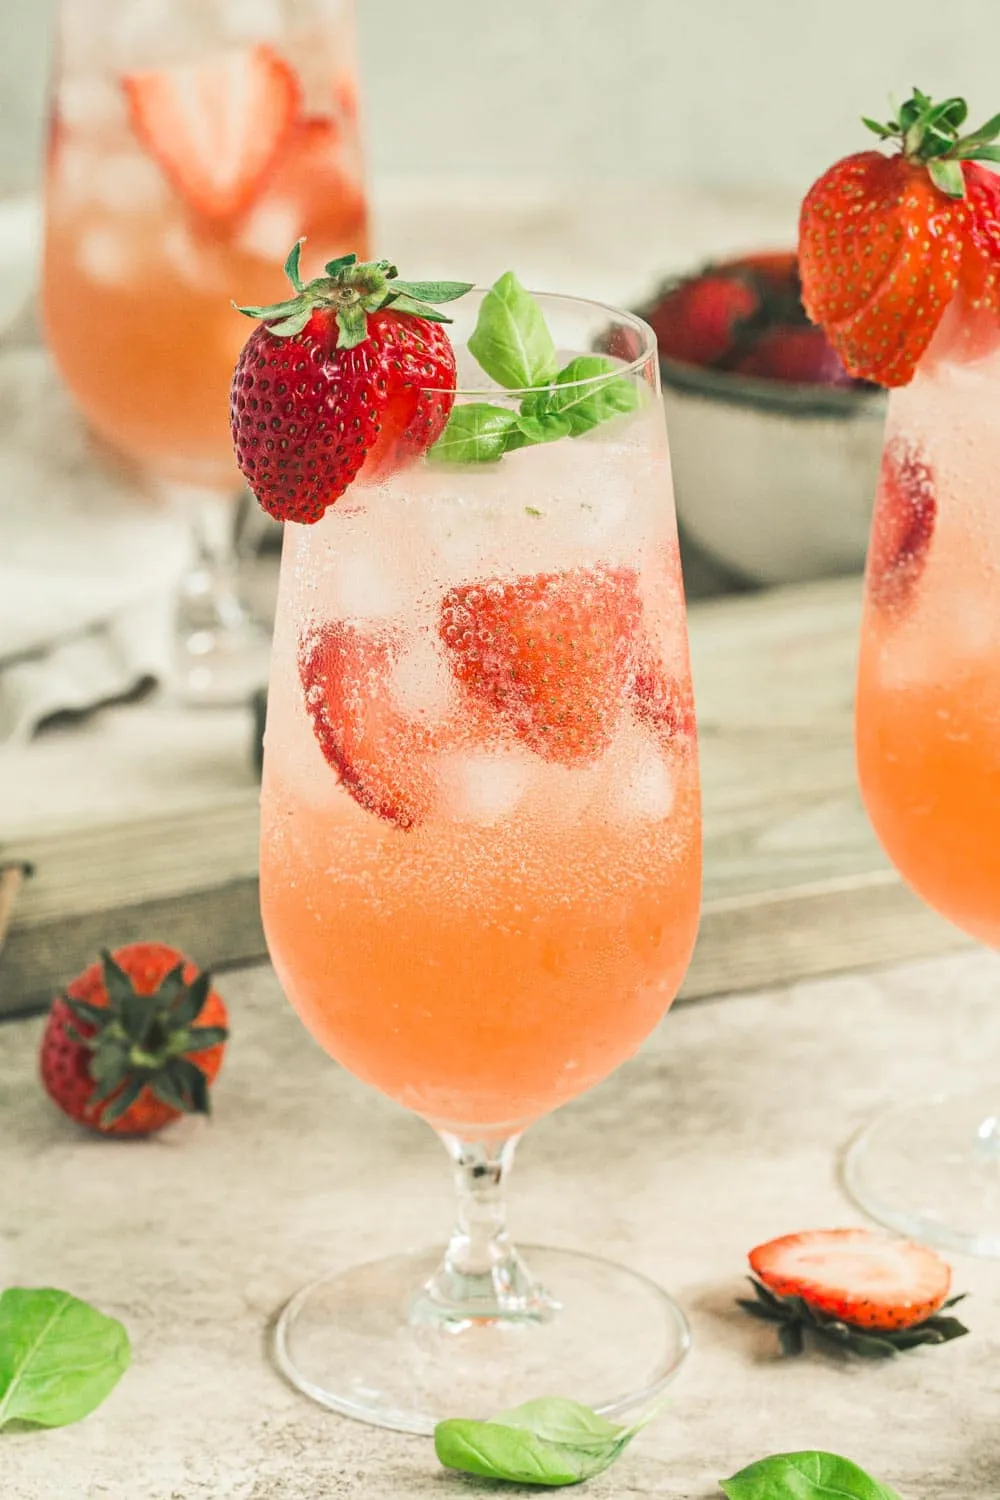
point(216, 127)
point(551, 654)
point(352, 370)
point(867, 1292)
point(886, 242)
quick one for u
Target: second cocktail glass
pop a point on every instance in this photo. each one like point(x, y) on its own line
point(480, 865)
point(191, 141)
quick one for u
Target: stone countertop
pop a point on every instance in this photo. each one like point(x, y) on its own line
point(722, 1133)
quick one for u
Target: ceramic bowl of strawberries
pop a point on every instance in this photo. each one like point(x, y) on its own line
point(775, 447)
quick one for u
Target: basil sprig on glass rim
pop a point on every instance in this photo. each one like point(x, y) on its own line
point(513, 345)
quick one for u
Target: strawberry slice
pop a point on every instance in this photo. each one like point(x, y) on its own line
point(379, 754)
point(662, 702)
point(902, 527)
point(551, 654)
point(866, 1279)
point(216, 127)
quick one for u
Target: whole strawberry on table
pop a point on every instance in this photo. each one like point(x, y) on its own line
point(135, 1041)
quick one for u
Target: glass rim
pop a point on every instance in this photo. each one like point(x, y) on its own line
point(614, 314)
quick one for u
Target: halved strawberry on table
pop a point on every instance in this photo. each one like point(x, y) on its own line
point(216, 126)
point(887, 242)
point(859, 1289)
point(550, 654)
point(351, 371)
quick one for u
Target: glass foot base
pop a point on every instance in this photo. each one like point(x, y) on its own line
point(359, 1342)
point(932, 1171)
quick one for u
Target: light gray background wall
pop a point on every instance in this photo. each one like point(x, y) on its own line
point(719, 91)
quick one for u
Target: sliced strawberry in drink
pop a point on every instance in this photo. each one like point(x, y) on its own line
point(550, 654)
point(379, 753)
point(663, 702)
point(903, 525)
point(311, 190)
point(345, 92)
point(864, 1278)
point(216, 127)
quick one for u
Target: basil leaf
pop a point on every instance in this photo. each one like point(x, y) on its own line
point(477, 433)
point(59, 1357)
point(545, 427)
point(550, 1441)
point(805, 1476)
point(511, 339)
point(583, 398)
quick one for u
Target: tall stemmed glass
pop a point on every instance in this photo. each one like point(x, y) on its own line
point(928, 744)
point(191, 142)
point(480, 858)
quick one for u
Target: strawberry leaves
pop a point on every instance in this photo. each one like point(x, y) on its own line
point(513, 344)
point(353, 289)
point(147, 1040)
point(928, 132)
point(793, 1318)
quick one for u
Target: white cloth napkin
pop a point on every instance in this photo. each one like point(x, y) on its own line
point(88, 564)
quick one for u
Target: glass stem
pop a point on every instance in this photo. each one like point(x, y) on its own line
point(482, 1277)
point(209, 599)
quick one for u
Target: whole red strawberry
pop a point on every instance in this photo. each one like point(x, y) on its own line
point(886, 242)
point(352, 371)
point(135, 1041)
point(700, 321)
point(800, 355)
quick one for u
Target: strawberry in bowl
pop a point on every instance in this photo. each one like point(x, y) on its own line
point(774, 443)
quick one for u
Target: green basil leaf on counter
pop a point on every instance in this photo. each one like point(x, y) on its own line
point(59, 1357)
point(550, 1441)
point(805, 1476)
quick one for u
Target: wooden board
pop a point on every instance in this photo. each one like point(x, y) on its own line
point(795, 883)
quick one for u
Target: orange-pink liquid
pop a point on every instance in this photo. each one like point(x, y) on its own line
point(928, 705)
point(509, 952)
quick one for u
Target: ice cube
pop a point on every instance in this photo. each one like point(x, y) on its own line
point(420, 683)
point(271, 228)
point(126, 182)
point(483, 786)
point(362, 577)
point(643, 789)
point(255, 21)
point(108, 254)
point(89, 104)
point(74, 169)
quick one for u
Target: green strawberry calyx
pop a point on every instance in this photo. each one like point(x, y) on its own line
point(146, 1041)
point(794, 1318)
point(354, 289)
point(928, 133)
